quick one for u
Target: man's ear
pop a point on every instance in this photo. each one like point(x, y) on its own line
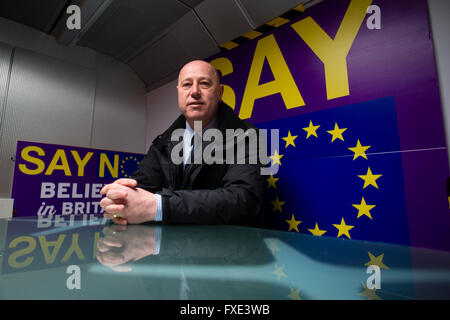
point(220, 91)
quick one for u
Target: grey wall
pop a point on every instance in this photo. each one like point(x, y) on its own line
point(162, 104)
point(440, 26)
point(64, 95)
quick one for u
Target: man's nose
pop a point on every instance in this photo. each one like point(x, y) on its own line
point(195, 90)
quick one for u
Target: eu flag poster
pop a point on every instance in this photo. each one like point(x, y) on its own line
point(340, 174)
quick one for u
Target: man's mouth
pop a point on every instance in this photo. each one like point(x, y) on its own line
point(195, 104)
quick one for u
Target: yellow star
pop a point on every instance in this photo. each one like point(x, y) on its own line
point(370, 294)
point(294, 294)
point(336, 132)
point(359, 150)
point(311, 130)
point(289, 139)
point(277, 204)
point(343, 229)
point(271, 181)
point(276, 158)
point(316, 231)
point(364, 208)
point(279, 272)
point(370, 179)
point(293, 223)
point(377, 261)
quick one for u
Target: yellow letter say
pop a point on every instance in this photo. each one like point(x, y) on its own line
point(26, 156)
point(59, 155)
point(81, 162)
point(333, 53)
point(267, 48)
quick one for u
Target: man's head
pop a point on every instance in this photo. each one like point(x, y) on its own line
point(199, 92)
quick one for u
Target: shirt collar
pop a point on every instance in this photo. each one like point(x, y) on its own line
point(212, 124)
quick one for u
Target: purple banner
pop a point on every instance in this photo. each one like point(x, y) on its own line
point(349, 56)
point(53, 179)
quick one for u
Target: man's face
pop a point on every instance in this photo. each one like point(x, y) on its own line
point(199, 92)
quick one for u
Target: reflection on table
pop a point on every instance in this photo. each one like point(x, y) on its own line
point(155, 261)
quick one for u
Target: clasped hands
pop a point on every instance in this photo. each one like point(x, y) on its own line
point(126, 204)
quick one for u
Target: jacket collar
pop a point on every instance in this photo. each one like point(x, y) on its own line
point(226, 119)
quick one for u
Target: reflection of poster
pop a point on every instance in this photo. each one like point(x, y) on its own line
point(362, 144)
point(51, 242)
point(53, 179)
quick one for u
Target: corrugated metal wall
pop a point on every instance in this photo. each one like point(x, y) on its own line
point(53, 99)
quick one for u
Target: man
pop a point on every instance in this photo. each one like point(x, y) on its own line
point(160, 190)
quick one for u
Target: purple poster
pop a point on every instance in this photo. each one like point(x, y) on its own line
point(352, 88)
point(53, 179)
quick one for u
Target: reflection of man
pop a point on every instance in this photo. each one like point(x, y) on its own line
point(218, 193)
point(123, 245)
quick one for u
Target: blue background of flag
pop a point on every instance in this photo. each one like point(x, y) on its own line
point(318, 179)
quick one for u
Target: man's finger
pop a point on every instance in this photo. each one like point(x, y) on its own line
point(127, 182)
point(115, 209)
point(120, 221)
point(108, 216)
point(106, 202)
point(117, 194)
point(113, 186)
point(105, 189)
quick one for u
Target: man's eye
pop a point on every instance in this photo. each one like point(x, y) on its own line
point(205, 84)
point(186, 85)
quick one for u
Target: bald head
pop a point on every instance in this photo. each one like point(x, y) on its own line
point(201, 63)
point(199, 92)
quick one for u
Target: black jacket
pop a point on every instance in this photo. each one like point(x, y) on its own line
point(203, 194)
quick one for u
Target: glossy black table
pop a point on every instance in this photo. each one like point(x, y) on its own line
point(87, 257)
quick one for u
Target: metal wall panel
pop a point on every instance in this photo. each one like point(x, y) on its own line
point(5, 60)
point(119, 121)
point(49, 101)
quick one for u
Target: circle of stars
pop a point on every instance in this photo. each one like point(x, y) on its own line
point(359, 154)
point(124, 163)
